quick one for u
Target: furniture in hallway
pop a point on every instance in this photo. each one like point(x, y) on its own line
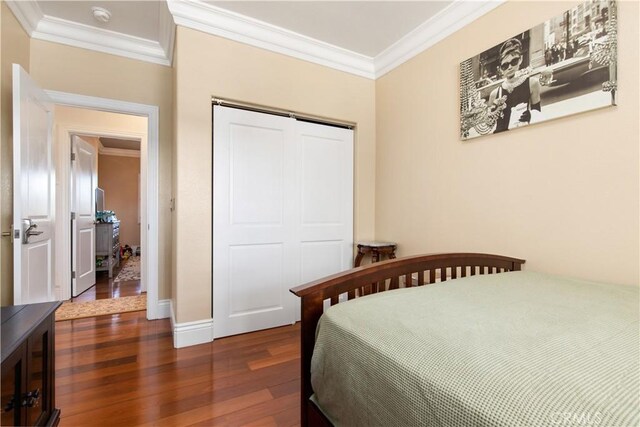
point(108, 246)
point(28, 368)
point(376, 249)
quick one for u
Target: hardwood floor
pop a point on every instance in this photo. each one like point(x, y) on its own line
point(122, 370)
point(107, 288)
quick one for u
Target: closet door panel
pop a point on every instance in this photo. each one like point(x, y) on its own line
point(325, 221)
point(257, 175)
point(254, 192)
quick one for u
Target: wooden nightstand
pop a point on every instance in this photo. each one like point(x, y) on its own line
point(376, 249)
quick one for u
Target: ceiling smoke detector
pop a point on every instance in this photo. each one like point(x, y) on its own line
point(101, 14)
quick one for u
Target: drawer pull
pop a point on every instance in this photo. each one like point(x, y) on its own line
point(32, 398)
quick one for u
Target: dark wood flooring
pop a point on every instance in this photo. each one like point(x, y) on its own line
point(122, 370)
point(107, 288)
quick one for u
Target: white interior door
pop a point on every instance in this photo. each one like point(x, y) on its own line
point(33, 191)
point(83, 190)
point(283, 214)
point(253, 207)
point(325, 221)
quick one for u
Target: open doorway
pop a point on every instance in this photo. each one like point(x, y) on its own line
point(100, 179)
point(114, 228)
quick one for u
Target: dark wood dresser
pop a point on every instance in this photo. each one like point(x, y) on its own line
point(28, 368)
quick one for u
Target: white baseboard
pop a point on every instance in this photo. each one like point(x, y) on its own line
point(164, 309)
point(190, 333)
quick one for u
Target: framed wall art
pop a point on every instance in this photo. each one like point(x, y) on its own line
point(565, 65)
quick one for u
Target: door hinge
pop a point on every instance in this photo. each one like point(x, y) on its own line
point(73, 274)
point(73, 156)
point(73, 216)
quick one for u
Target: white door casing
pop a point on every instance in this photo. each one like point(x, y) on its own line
point(283, 214)
point(83, 190)
point(33, 191)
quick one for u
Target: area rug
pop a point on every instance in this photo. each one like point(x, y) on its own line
point(130, 270)
point(78, 310)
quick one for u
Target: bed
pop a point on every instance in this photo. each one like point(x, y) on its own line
point(456, 343)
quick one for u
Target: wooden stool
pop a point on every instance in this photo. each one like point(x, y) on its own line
point(376, 249)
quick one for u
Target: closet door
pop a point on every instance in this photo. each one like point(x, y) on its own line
point(283, 214)
point(254, 208)
point(325, 222)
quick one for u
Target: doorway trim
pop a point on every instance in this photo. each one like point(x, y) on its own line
point(156, 309)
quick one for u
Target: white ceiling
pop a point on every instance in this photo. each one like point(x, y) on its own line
point(364, 27)
point(136, 18)
point(366, 38)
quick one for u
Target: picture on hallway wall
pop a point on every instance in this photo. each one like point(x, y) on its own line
point(565, 65)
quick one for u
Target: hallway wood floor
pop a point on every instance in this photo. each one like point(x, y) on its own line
point(106, 288)
point(122, 370)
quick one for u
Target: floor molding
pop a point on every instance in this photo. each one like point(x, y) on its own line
point(190, 333)
point(164, 309)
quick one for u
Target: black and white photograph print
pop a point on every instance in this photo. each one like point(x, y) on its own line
point(564, 66)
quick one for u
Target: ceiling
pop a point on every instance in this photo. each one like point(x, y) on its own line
point(367, 38)
point(364, 27)
point(121, 144)
point(136, 18)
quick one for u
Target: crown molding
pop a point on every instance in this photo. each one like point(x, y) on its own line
point(167, 31)
point(71, 33)
point(213, 20)
point(49, 28)
point(210, 19)
point(204, 17)
point(446, 22)
point(28, 13)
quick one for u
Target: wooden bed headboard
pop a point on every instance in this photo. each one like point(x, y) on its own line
point(382, 276)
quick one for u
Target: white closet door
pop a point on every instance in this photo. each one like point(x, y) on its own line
point(253, 209)
point(283, 214)
point(325, 223)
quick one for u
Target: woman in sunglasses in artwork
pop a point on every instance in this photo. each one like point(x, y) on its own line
point(521, 93)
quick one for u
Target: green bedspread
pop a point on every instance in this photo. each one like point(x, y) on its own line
point(510, 349)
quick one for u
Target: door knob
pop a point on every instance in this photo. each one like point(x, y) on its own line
point(28, 230)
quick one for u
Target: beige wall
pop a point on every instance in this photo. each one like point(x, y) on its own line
point(207, 65)
point(562, 194)
point(69, 69)
point(118, 177)
point(14, 49)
